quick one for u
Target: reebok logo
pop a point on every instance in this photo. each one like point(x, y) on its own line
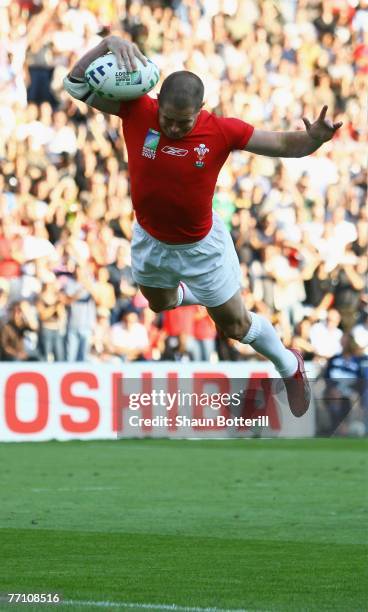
point(174, 151)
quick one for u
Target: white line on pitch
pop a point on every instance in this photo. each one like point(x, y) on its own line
point(141, 606)
point(69, 489)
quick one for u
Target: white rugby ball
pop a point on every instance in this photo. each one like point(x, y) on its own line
point(105, 78)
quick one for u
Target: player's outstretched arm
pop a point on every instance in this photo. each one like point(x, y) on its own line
point(75, 83)
point(294, 144)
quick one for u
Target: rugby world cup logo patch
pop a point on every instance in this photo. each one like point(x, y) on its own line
point(201, 151)
point(151, 143)
point(128, 78)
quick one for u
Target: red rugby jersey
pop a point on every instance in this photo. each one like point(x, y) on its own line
point(173, 181)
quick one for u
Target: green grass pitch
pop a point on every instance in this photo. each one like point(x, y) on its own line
point(242, 524)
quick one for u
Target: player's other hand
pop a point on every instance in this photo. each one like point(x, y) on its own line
point(323, 129)
point(125, 52)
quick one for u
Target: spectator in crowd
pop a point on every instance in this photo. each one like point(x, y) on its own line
point(129, 337)
point(103, 290)
point(81, 314)
point(11, 256)
point(349, 279)
point(204, 335)
point(176, 323)
point(120, 276)
point(360, 333)
point(18, 338)
point(4, 298)
point(52, 317)
point(301, 339)
point(325, 335)
point(318, 285)
point(176, 349)
point(156, 335)
point(100, 344)
point(344, 378)
point(299, 225)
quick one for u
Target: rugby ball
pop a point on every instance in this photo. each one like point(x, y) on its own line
point(105, 78)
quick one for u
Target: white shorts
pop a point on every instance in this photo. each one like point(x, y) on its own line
point(209, 267)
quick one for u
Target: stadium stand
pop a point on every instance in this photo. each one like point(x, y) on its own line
point(300, 225)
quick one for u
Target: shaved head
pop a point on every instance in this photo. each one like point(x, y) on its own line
point(181, 90)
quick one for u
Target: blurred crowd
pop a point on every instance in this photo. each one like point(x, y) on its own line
point(300, 226)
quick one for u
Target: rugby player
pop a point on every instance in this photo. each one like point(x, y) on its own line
point(181, 251)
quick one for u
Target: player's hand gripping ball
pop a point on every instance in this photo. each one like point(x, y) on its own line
point(105, 78)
